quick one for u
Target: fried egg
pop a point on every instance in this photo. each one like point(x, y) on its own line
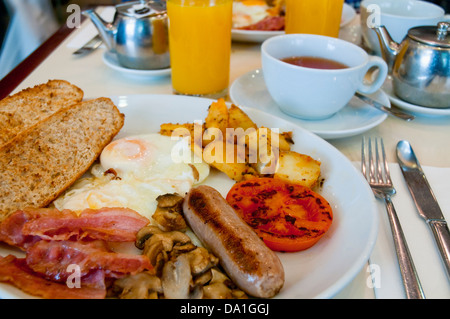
point(133, 172)
point(247, 12)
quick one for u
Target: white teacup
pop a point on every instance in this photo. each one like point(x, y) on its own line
point(398, 16)
point(311, 93)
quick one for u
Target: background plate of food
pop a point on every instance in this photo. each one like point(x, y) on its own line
point(319, 271)
point(255, 21)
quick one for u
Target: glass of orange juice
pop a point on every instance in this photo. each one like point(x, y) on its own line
point(322, 17)
point(200, 46)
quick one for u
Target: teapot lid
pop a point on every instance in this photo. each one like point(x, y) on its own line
point(438, 36)
point(141, 9)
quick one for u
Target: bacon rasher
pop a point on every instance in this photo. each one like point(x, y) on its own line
point(52, 259)
point(271, 23)
point(25, 227)
point(54, 240)
point(15, 271)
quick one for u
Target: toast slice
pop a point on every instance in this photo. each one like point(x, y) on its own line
point(40, 163)
point(30, 106)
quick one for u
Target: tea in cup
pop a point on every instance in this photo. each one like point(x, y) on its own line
point(312, 77)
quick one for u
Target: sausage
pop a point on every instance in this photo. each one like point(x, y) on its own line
point(252, 266)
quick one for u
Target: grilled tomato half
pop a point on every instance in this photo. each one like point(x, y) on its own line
point(287, 217)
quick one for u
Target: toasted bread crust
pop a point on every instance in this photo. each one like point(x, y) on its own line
point(22, 110)
point(38, 164)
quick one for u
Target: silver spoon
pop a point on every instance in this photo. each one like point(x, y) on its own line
point(381, 107)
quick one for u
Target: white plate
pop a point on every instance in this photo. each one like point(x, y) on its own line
point(348, 13)
point(253, 35)
point(110, 59)
point(389, 89)
point(357, 117)
point(319, 272)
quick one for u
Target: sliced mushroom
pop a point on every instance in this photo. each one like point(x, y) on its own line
point(140, 286)
point(179, 249)
point(168, 219)
point(196, 293)
point(168, 214)
point(176, 278)
point(158, 256)
point(197, 284)
point(169, 200)
point(144, 234)
point(158, 247)
point(219, 277)
point(217, 290)
point(221, 287)
point(170, 239)
point(201, 260)
point(238, 294)
point(203, 278)
point(186, 270)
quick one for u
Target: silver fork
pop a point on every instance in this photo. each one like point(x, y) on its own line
point(90, 46)
point(376, 171)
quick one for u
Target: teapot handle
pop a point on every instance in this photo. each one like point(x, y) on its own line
point(377, 63)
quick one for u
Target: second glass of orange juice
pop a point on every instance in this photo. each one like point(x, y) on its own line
point(200, 46)
point(322, 17)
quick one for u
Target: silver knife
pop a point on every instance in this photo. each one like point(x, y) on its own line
point(381, 107)
point(425, 200)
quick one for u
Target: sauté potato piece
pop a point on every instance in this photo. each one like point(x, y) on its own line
point(297, 168)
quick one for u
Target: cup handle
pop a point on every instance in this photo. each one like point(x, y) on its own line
point(375, 85)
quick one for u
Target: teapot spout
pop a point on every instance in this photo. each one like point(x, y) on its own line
point(106, 30)
point(389, 48)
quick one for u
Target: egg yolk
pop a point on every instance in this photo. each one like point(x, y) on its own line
point(131, 149)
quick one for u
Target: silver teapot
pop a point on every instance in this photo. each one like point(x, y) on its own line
point(138, 34)
point(420, 65)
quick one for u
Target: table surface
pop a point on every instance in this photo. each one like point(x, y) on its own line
point(428, 134)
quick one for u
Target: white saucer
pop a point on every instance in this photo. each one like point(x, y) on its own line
point(110, 59)
point(357, 117)
point(389, 89)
